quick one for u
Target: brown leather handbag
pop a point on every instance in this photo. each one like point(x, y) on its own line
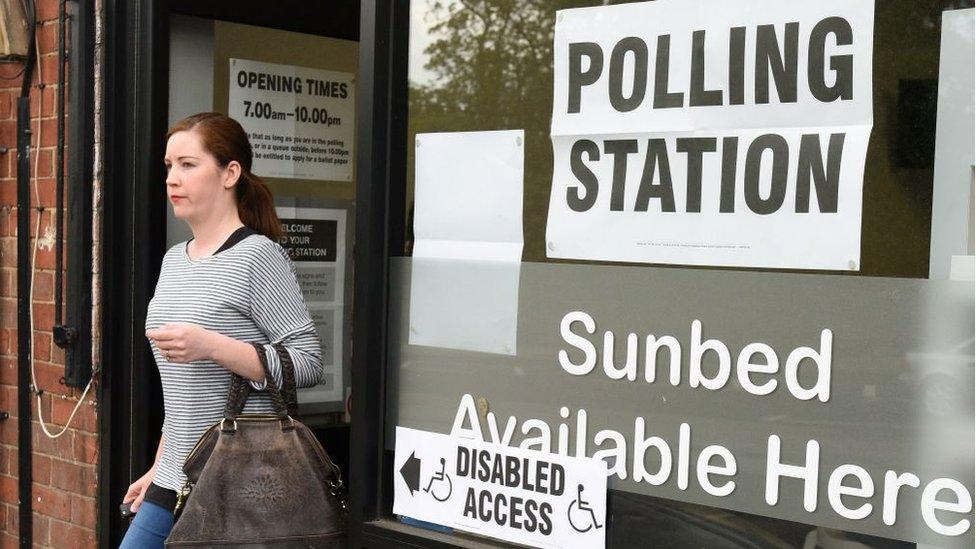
point(260, 480)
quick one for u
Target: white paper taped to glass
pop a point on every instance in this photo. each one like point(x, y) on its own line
point(718, 133)
point(467, 240)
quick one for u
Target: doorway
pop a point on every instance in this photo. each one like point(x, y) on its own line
point(189, 53)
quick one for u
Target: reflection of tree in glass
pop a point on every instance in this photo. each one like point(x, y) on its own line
point(492, 67)
point(492, 61)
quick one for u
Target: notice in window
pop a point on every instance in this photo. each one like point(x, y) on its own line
point(729, 134)
point(299, 120)
point(315, 239)
point(539, 499)
point(467, 240)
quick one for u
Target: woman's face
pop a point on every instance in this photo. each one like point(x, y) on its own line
point(195, 184)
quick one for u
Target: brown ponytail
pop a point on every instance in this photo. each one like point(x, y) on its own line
point(255, 205)
point(225, 139)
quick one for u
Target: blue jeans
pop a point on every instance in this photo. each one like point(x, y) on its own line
point(149, 528)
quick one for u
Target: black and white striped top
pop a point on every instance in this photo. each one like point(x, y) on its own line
point(248, 291)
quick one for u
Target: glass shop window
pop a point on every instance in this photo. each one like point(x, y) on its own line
point(737, 224)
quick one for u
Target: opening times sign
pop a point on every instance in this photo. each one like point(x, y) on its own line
point(299, 120)
point(716, 133)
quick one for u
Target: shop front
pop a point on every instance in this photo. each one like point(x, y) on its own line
point(673, 273)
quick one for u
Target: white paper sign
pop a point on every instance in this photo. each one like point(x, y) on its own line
point(467, 240)
point(523, 496)
point(300, 121)
point(315, 238)
point(953, 177)
point(713, 133)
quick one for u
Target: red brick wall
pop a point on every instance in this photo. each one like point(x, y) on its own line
point(64, 472)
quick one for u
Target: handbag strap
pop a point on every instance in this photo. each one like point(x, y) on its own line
point(289, 392)
point(285, 400)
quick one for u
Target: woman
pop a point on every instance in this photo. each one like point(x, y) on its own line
point(231, 284)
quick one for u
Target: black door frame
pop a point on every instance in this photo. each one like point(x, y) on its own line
point(133, 232)
point(133, 237)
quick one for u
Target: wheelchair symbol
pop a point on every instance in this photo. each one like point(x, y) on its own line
point(583, 513)
point(443, 493)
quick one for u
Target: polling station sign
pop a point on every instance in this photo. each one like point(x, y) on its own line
point(523, 496)
point(712, 133)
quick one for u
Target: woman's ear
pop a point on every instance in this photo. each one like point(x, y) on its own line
point(232, 174)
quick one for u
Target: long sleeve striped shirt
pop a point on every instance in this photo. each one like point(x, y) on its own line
point(247, 290)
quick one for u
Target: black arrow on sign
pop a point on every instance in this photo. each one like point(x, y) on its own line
point(411, 472)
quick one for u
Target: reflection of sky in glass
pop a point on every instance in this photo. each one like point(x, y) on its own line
point(421, 20)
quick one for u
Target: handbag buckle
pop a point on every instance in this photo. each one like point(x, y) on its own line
point(223, 428)
point(337, 490)
point(181, 497)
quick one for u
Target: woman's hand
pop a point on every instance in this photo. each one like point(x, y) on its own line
point(183, 342)
point(137, 490)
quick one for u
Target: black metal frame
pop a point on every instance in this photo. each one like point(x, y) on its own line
point(370, 298)
point(81, 131)
point(24, 328)
point(133, 232)
point(320, 18)
point(381, 165)
point(24, 281)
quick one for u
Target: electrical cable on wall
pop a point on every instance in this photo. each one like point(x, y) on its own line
point(37, 230)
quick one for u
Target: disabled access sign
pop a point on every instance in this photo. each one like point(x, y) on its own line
point(524, 496)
